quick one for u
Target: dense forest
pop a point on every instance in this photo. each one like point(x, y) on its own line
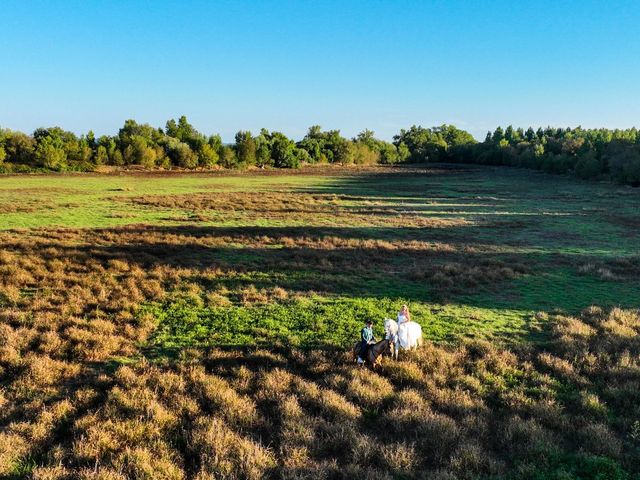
point(586, 153)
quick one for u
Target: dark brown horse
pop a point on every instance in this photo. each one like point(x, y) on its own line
point(374, 352)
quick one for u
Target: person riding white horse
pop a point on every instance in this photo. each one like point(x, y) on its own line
point(404, 333)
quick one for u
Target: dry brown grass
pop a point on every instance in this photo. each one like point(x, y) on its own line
point(69, 409)
point(278, 206)
point(447, 411)
point(91, 274)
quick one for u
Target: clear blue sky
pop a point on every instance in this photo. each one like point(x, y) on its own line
point(286, 65)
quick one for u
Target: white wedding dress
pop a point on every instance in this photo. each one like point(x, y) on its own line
point(409, 333)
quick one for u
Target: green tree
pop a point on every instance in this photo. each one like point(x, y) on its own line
point(208, 155)
point(283, 151)
point(185, 132)
point(327, 146)
point(245, 148)
point(389, 154)
point(343, 151)
point(101, 157)
point(181, 154)
point(215, 142)
point(19, 147)
point(314, 144)
point(588, 166)
point(384, 152)
point(368, 138)
point(84, 150)
point(139, 144)
point(363, 154)
point(228, 157)
point(530, 135)
point(403, 152)
point(139, 152)
point(50, 153)
point(91, 140)
point(110, 146)
point(117, 158)
point(263, 149)
point(302, 156)
point(498, 135)
point(424, 144)
point(453, 136)
point(133, 129)
point(509, 135)
point(3, 151)
point(623, 159)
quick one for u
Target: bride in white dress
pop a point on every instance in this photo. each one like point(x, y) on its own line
point(403, 315)
point(409, 333)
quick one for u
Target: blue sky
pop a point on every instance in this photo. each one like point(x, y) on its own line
point(286, 65)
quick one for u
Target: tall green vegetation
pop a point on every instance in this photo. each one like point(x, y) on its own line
point(180, 145)
point(585, 153)
point(432, 144)
point(246, 148)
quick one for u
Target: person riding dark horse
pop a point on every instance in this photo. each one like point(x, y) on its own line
point(366, 338)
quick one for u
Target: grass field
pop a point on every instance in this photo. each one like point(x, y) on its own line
point(194, 326)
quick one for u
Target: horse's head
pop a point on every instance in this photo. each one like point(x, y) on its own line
point(390, 328)
point(390, 347)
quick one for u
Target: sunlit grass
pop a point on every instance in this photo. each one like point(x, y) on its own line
point(325, 322)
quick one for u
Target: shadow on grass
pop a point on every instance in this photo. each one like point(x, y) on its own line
point(353, 261)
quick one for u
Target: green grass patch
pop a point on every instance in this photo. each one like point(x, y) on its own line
point(318, 321)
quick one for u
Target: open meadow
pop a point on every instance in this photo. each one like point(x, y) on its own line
point(159, 325)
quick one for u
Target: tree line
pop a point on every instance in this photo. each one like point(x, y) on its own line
point(586, 153)
point(179, 144)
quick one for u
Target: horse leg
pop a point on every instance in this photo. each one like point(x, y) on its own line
point(373, 358)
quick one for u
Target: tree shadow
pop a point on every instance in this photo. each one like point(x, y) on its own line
point(357, 263)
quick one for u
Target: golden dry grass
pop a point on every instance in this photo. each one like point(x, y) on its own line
point(467, 411)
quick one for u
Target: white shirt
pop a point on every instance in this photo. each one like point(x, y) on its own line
point(402, 318)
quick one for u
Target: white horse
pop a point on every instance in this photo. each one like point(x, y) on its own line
point(407, 336)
